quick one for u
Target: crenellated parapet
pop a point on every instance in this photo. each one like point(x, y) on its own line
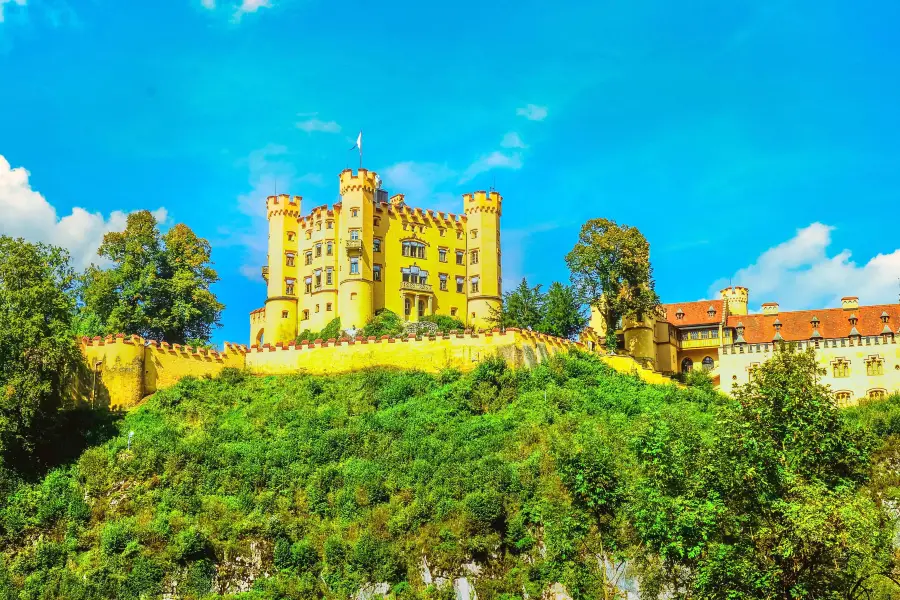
point(283, 205)
point(363, 180)
point(484, 202)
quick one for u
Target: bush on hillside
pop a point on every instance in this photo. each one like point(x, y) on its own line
point(444, 323)
point(384, 322)
point(331, 331)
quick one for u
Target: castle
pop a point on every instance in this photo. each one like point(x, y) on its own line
point(856, 346)
point(369, 252)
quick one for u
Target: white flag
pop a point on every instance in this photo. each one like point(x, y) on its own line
point(359, 141)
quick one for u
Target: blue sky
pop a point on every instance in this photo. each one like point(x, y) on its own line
point(752, 141)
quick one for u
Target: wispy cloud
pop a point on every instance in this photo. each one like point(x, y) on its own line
point(532, 112)
point(421, 183)
point(800, 273)
point(27, 214)
point(512, 140)
point(3, 2)
point(489, 162)
point(314, 124)
point(239, 9)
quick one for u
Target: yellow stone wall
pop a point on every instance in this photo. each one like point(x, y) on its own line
point(333, 237)
point(736, 363)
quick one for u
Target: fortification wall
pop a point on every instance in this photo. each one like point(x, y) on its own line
point(165, 365)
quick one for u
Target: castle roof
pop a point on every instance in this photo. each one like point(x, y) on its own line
point(693, 313)
point(832, 323)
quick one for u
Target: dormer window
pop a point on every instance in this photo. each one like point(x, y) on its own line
point(679, 314)
point(711, 311)
point(886, 330)
point(740, 334)
point(778, 337)
point(854, 332)
point(815, 329)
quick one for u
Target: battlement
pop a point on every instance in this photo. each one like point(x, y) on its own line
point(136, 341)
point(363, 180)
point(482, 201)
point(421, 214)
point(283, 204)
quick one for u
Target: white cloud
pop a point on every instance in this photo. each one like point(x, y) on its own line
point(250, 6)
point(29, 215)
point(488, 162)
point(512, 140)
point(16, 2)
point(314, 124)
point(532, 112)
point(800, 274)
point(210, 4)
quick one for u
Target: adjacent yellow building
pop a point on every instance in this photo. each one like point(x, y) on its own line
point(370, 252)
point(857, 346)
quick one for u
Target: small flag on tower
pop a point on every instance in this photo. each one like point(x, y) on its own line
point(358, 146)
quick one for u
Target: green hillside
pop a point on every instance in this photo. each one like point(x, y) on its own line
point(314, 487)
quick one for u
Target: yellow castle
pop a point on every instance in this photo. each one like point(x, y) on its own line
point(370, 252)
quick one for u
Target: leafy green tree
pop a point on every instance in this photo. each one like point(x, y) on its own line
point(522, 307)
point(563, 312)
point(158, 285)
point(610, 269)
point(38, 354)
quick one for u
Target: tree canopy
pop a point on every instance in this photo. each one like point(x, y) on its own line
point(158, 285)
point(557, 312)
point(610, 270)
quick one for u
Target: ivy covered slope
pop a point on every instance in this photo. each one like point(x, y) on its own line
point(314, 487)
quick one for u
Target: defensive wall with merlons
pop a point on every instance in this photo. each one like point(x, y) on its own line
point(122, 370)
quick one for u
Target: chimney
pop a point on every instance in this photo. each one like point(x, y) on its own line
point(770, 308)
point(850, 303)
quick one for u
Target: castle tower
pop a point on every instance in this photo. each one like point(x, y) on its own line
point(483, 211)
point(354, 248)
point(281, 299)
point(736, 299)
point(639, 340)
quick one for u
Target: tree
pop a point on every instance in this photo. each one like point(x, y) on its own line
point(157, 287)
point(38, 354)
point(563, 312)
point(610, 270)
point(522, 307)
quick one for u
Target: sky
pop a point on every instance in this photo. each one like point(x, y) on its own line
point(752, 142)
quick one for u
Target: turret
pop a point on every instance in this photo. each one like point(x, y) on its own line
point(483, 256)
point(354, 247)
point(281, 301)
point(736, 299)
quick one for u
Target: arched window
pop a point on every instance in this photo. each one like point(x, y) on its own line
point(708, 363)
point(687, 365)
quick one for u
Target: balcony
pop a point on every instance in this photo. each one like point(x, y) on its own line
point(265, 274)
point(354, 246)
point(408, 286)
point(705, 342)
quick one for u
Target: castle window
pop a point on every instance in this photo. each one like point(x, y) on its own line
point(376, 272)
point(407, 306)
point(442, 277)
point(413, 249)
point(474, 233)
point(317, 308)
point(843, 398)
point(474, 256)
point(841, 368)
point(307, 258)
point(354, 234)
point(319, 226)
point(679, 314)
point(308, 233)
point(459, 257)
point(687, 365)
point(308, 283)
point(459, 235)
point(460, 282)
point(377, 221)
point(318, 250)
point(376, 244)
point(442, 254)
point(475, 282)
point(291, 235)
point(711, 311)
point(289, 259)
point(328, 307)
point(328, 277)
point(284, 314)
point(876, 394)
point(306, 315)
point(354, 266)
point(421, 308)
point(874, 366)
point(329, 248)
point(443, 231)
point(329, 224)
point(289, 287)
point(414, 274)
point(453, 311)
point(354, 212)
point(318, 275)
point(708, 363)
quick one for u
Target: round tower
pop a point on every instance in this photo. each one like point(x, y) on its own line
point(639, 341)
point(483, 281)
point(281, 302)
point(355, 239)
point(736, 299)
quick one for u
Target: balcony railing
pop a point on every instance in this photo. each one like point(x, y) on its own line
point(704, 343)
point(409, 286)
point(354, 246)
point(265, 274)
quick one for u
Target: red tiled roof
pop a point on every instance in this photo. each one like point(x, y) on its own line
point(833, 323)
point(695, 313)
